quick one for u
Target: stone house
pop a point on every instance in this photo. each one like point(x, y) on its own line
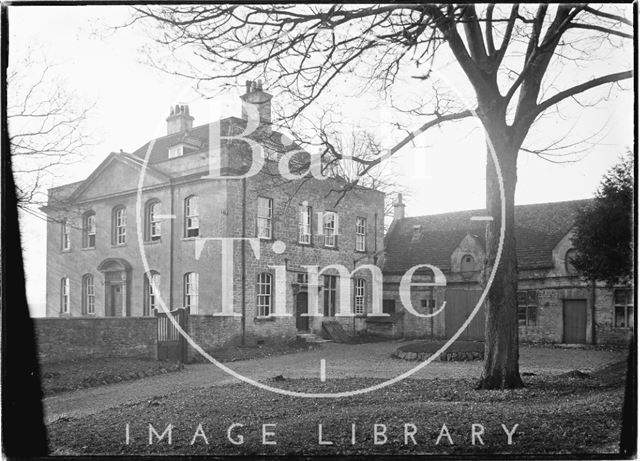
point(143, 230)
point(554, 304)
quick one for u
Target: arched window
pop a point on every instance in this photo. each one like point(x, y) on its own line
point(191, 217)
point(264, 294)
point(152, 230)
point(119, 226)
point(89, 230)
point(151, 290)
point(191, 292)
point(568, 261)
point(65, 295)
point(468, 264)
point(88, 295)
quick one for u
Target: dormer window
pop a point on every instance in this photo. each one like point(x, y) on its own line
point(176, 151)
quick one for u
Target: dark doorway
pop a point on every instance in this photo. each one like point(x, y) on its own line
point(460, 304)
point(116, 301)
point(302, 323)
point(575, 321)
point(330, 282)
point(389, 306)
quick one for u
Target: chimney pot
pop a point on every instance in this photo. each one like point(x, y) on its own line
point(398, 208)
point(179, 119)
point(256, 98)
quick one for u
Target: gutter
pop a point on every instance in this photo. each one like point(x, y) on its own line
point(243, 260)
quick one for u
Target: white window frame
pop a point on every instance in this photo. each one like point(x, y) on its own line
point(305, 218)
point(264, 294)
point(89, 230)
point(65, 295)
point(152, 288)
point(359, 293)
point(361, 234)
point(154, 226)
point(191, 288)
point(66, 235)
point(89, 294)
point(626, 307)
point(265, 218)
point(329, 228)
point(120, 225)
point(191, 217)
point(176, 151)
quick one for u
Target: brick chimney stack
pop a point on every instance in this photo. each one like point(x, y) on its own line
point(398, 208)
point(179, 119)
point(255, 98)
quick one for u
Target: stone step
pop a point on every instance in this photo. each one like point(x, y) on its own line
point(312, 338)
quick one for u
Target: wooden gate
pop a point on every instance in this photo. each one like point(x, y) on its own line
point(575, 321)
point(460, 304)
point(171, 344)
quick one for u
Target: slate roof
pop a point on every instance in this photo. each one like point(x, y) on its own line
point(228, 126)
point(432, 239)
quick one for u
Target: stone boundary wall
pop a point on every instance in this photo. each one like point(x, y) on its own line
point(67, 339)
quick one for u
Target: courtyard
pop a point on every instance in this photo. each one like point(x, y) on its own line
point(560, 384)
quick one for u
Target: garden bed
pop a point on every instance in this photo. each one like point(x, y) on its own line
point(458, 351)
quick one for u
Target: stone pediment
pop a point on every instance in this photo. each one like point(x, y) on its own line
point(119, 173)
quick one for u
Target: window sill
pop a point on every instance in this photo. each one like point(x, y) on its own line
point(152, 242)
point(89, 249)
point(264, 319)
point(189, 239)
point(66, 251)
point(118, 245)
point(360, 251)
point(334, 248)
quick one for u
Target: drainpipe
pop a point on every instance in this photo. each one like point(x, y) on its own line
point(593, 312)
point(171, 245)
point(243, 258)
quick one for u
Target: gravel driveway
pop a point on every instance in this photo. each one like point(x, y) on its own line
point(363, 360)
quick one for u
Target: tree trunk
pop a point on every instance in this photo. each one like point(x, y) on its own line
point(501, 370)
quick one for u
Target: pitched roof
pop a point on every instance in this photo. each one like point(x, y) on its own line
point(228, 126)
point(432, 239)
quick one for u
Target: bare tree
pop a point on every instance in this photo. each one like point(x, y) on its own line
point(506, 53)
point(46, 128)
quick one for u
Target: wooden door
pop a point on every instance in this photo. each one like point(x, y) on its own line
point(116, 300)
point(575, 321)
point(302, 323)
point(460, 304)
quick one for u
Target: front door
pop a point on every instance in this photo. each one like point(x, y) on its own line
point(116, 300)
point(302, 323)
point(575, 321)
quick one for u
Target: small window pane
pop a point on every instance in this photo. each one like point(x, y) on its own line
point(265, 215)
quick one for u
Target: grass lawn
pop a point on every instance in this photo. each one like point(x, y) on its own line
point(570, 413)
point(68, 376)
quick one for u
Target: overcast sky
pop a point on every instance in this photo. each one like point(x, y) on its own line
point(445, 173)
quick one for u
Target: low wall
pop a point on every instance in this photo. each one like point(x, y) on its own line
point(65, 339)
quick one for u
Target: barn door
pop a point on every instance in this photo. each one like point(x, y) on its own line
point(460, 304)
point(575, 321)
